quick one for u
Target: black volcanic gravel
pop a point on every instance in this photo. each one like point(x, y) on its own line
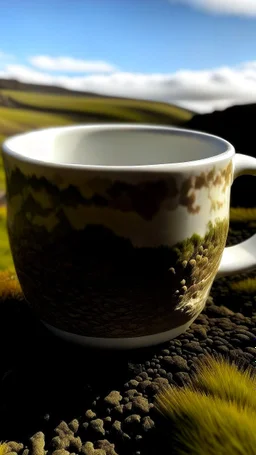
point(60, 398)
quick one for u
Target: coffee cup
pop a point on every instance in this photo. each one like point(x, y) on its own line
point(117, 231)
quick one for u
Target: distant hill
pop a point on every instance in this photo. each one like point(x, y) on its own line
point(87, 108)
point(13, 84)
point(236, 124)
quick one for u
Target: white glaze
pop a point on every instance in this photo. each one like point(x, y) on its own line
point(120, 343)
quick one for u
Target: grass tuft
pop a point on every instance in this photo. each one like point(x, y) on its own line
point(6, 260)
point(9, 286)
point(247, 286)
point(241, 214)
point(215, 414)
point(204, 424)
point(220, 378)
point(3, 448)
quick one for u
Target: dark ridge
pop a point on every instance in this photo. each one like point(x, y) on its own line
point(12, 84)
point(236, 125)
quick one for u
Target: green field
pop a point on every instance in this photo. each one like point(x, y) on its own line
point(123, 109)
point(13, 121)
point(2, 176)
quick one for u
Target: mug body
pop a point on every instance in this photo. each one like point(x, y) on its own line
point(117, 231)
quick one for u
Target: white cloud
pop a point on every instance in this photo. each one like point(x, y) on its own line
point(231, 7)
point(69, 64)
point(202, 91)
point(25, 74)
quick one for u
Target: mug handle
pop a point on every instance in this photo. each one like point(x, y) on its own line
point(240, 258)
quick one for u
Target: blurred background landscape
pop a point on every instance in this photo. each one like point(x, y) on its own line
point(187, 63)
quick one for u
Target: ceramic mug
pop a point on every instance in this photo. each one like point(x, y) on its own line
point(117, 231)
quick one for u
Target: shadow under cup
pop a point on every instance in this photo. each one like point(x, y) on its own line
point(117, 231)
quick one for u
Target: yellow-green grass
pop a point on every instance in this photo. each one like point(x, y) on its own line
point(6, 261)
point(125, 109)
point(9, 283)
point(203, 424)
point(243, 215)
point(245, 286)
point(2, 175)
point(9, 286)
point(3, 448)
point(13, 121)
point(225, 379)
point(215, 414)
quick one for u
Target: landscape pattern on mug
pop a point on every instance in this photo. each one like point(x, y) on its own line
point(80, 271)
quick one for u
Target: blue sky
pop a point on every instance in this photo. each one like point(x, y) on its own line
point(135, 35)
point(145, 37)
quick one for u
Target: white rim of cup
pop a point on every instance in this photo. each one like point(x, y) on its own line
point(9, 148)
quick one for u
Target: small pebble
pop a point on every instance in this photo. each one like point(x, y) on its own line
point(97, 426)
point(147, 424)
point(37, 444)
point(193, 346)
point(14, 446)
point(113, 398)
point(89, 415)
point(176, 363)
point(105, 445)
point(141, 405)
point(74, 425)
